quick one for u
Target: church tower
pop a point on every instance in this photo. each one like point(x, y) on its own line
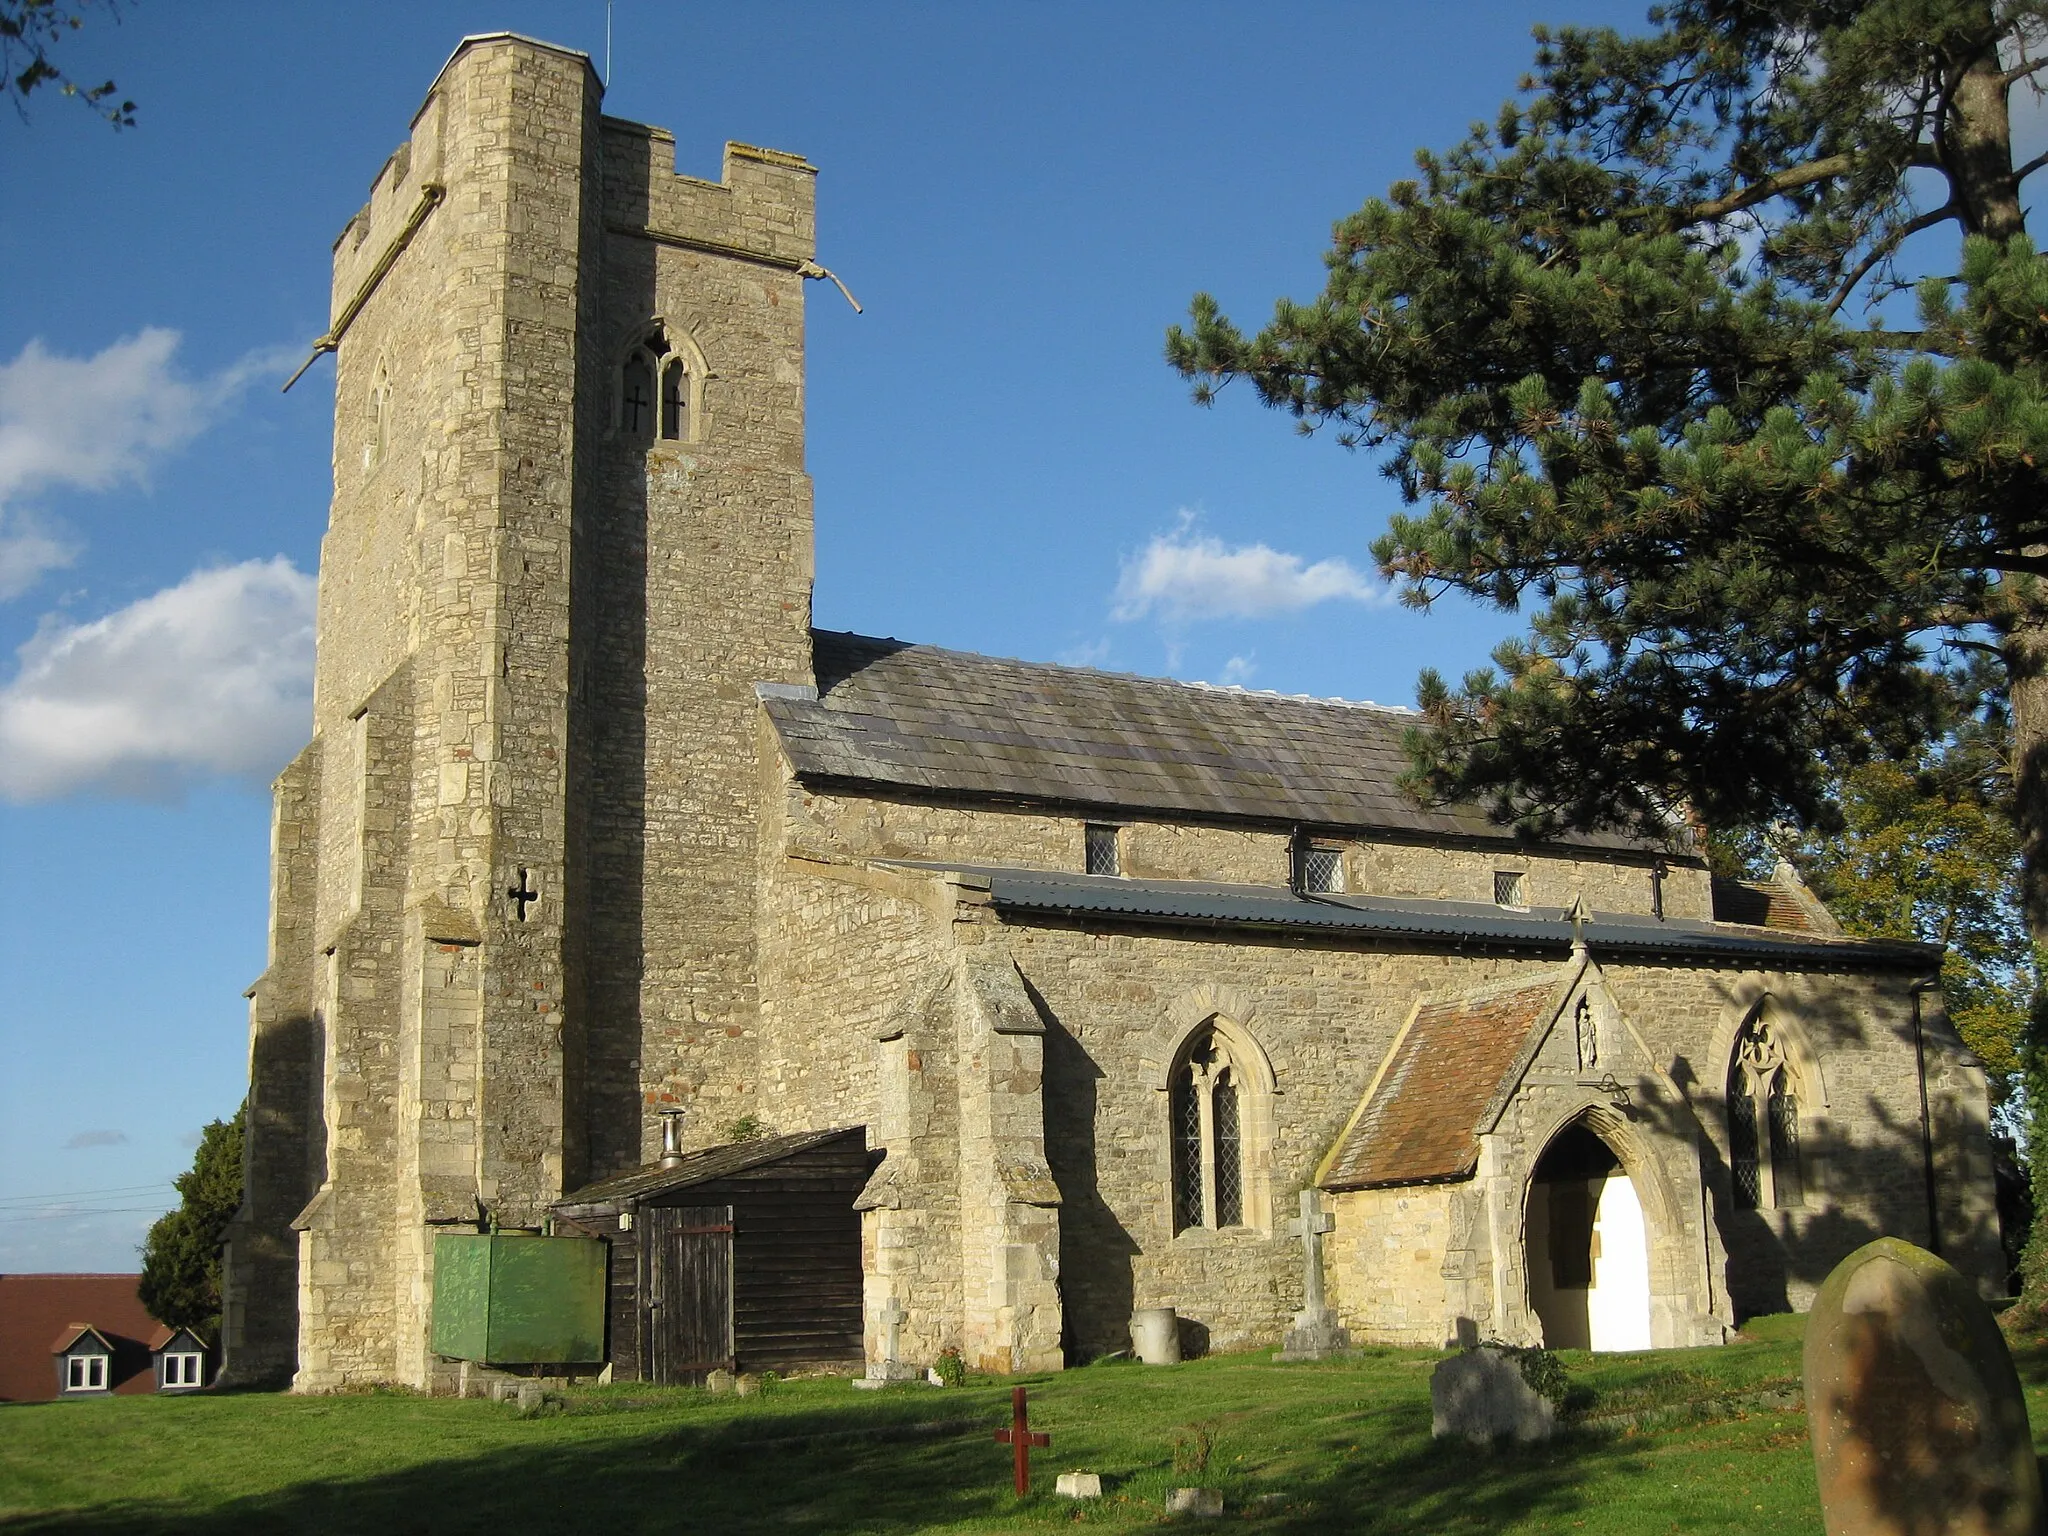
point(513, 879)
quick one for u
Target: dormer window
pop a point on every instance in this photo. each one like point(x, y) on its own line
point(85, 1373)
point(655, 392)
point(1318, 866)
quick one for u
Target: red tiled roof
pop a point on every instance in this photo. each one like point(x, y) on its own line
point(35, 1308)
point(1759, 903)
point(1421, 1124)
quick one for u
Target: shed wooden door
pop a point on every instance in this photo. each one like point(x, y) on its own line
point(686, 1283)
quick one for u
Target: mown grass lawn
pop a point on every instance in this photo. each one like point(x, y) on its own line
point(1704, 1441)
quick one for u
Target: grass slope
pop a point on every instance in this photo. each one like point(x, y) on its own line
point(1705, 1441)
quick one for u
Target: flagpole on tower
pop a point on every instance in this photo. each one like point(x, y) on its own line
point(607, 44)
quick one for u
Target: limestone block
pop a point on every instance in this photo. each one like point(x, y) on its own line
point(1480, 1396)
point(1913, 1404)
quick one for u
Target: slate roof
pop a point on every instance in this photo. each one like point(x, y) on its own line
point(698, 1168)
point(1452, 924)
point(1421, 1125)
point(949, 722)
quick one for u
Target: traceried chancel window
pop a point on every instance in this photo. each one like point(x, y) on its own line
point(1206, 1105)
point(1763, 1122)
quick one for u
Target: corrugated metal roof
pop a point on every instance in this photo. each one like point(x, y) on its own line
point(919, 717)
point(1456, 923)
point(700, 1168)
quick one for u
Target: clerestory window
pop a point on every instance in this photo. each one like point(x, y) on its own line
point(1208, 1112)
point(1100, 850)
point(1763, 1122)
point(1318, 866)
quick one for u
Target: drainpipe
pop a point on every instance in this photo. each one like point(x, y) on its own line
point(1920, 989)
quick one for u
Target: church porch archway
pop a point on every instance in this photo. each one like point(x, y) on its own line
point(1589, 1244)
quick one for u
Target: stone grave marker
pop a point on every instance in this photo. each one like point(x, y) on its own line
point(1079, 1485)
point(1913, 1404)
point(1480, 1396)
point(1315, 1334)
point(1204, 1502)
point(880, 1373)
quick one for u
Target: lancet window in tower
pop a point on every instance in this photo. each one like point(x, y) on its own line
point(1763, 1122)
point(654, 391)
point(1207, 1109)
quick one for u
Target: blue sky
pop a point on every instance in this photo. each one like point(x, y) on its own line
point(1024, 197)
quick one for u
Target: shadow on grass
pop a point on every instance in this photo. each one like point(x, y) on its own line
point(851, 1470)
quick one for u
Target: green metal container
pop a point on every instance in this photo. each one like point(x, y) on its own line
point(512, 1298)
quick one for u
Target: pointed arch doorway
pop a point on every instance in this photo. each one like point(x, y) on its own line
point(1588, 1246)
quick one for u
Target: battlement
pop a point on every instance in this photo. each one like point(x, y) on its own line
point(763, 204)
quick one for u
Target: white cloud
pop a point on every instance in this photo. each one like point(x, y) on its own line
point(1238, 671)
point(93, 423)
point(211, 676)
point(28, 548)
point(1181, 576)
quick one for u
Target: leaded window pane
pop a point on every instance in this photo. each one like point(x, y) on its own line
point(1187, 1152)
point(1786, 1185)
point(1510, 888)
point(1742, 1143)
point(1321, 869)
point(1102, 851)
point(1229, 1155)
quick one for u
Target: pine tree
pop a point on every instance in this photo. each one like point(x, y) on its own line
point(1641, 354)
point(181, 1256)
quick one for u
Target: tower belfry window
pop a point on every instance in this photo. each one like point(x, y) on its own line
point(656, 391)
point(675, 400)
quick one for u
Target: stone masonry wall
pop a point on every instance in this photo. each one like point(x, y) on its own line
point(699, 573)
point(880, 827)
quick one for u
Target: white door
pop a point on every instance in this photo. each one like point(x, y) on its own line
point(1618, 1304)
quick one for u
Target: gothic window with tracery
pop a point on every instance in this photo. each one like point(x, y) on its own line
point(1763, 1122)
point(1207, 1107)
point(654, 391)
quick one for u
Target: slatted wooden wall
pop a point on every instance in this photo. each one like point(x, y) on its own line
point(796, 1261)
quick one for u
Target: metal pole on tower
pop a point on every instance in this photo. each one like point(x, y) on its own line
point(607, 44)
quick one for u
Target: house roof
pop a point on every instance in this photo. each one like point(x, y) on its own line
point(1420, 1122)
point(68, 1338)
point(1451, 924)
point(916, 717)
point(698, 1168)
point(34, 1309)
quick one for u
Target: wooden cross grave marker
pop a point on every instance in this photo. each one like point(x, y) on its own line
point(1020, 1437)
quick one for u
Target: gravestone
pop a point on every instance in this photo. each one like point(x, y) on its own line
point(1205, 1502)
point(1079, 1485)
point(1913, 1403)
point(1479, 1395)
point(1315, 1334)
point(747, 1384)
point(719, 1381)
point(890, 1368)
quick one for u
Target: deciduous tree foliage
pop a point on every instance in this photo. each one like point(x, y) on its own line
point(29, 31)
point(1724, 348)
point(181, 1256)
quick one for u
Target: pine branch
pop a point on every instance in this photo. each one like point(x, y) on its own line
point(1885, 247)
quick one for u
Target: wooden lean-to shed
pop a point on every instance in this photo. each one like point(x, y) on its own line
point(743, 1257)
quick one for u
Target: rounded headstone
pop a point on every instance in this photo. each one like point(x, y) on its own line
point(1480, 1395)
point(1915, 1410)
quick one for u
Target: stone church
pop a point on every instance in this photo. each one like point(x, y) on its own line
point(595, 833)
